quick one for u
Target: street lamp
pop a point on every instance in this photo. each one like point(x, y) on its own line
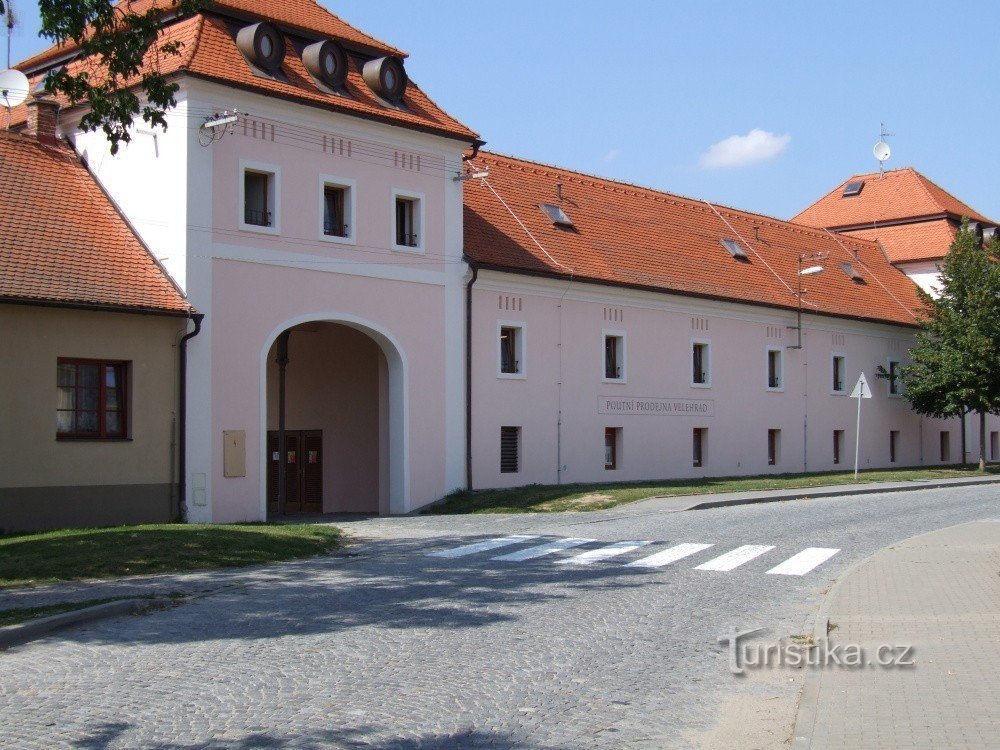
point(816, 259)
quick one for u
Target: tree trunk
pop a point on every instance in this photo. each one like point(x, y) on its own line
point(982, 440)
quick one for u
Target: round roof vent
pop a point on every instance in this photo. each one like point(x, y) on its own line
point(386, 77)
point(327, 62)
point(262, 44)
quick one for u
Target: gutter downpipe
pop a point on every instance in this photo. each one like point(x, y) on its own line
point(182, 418)
point(468, 372)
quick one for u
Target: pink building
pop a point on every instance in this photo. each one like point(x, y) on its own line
point(423, 327)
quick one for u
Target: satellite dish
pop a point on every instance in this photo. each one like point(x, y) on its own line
point(13, 87)
point(882, 151)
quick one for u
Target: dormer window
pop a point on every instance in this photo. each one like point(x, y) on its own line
point(556, 215)
point(852, 273)
point(853, 188)
point(734, 249)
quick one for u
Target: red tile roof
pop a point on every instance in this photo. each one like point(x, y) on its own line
point(636, 237)
point(898, 195)
point(918, 241)
point(209, 51)
point(61, 239)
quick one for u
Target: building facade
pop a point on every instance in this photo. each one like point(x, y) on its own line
point(391, 314)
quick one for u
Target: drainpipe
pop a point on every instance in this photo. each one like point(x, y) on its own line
point(468, 372)
point(282, 360)
point(182, 418)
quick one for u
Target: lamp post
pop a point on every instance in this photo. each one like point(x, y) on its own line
point(816, 259)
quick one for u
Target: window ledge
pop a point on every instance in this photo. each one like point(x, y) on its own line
point(337, 240)
point(614, 381)
point(89, 439)
point(418, 250)
point(701, 385)
point(512, 376)
point(256, 229)
point(779, 389)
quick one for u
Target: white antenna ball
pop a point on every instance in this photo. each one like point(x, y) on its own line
point(13, 87)
point(882, 151)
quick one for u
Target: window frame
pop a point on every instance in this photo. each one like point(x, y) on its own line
point(773, 446)
point(707, 343)
point(349, 187)
point(616, 448)
point(832, 371)
point(621, 354)
point(699, 437)
point(418, 219)
point(944, 441)
point(780, 351)
point(125, 396)
point(838, 447)
point(894, 436)
point(891, 381)
point(520, 350)
point(273, 171)
point(517, 458)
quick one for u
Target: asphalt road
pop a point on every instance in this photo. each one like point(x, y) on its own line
point(399, 647)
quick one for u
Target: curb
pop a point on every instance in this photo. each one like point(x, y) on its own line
point(24, 632)
point(806, 493)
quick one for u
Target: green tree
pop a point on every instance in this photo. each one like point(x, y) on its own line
point(118, 87)
point(955, 365)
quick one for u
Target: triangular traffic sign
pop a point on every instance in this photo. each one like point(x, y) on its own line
point(861, 389)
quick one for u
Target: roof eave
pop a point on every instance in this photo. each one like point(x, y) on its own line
point(97, 306)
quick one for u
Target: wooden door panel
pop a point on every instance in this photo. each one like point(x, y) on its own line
point(312, 471)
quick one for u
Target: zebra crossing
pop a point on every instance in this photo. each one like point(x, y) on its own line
point(799, 564)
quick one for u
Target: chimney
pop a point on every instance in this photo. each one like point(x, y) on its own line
point(43, 116)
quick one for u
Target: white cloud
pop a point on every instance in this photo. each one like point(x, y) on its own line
point(742, 150)
point(612, 155)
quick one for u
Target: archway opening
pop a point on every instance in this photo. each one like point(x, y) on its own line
point(337, 431)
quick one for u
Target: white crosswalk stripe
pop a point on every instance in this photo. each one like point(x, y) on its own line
point(602, 553)
point(471, 549)
point(541, 550)
point(737, 557)
point(667, 556)
point(804, 561)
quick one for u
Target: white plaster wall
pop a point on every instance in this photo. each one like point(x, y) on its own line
point(925, 275)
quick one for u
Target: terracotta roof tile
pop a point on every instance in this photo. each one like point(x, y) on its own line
point(898, 194)
point(637, 237)
point(209, 51)
point(923, 240)
point(61, 240)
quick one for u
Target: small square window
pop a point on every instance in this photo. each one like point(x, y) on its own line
point(556, 215)
point(612, 441)
point(510, 450)
point(735, 249)
point(91, 399)
point(853, 188)
point(839, 373)
point(510, 359)
point(773, 447)
point(775, 369)
point(701, 374)
point(407, 222)
point(699, 435)
point(614, 357)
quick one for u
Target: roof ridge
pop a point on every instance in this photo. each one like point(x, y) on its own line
point(654, 193)
point(197, 41)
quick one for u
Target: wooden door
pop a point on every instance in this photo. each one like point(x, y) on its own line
point(303, 471)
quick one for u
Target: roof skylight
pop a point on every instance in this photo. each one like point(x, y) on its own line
point(853, 188)
point(852, 273)
point(734, 249)
point(556, 214)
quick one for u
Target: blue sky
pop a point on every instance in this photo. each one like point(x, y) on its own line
point(642, 90)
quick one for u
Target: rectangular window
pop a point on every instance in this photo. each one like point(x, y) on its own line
point(894, 382)
point(700, 363)
point(92, 399)
point(838, 445)
point(893, 445)
point(994, 446)
point(611, 446)
point(614, 357)
point(406, 222)
point(335, 211)
point(775, 369)
point(945, 446)
point(511, 349)
point(698, 447)
point(839, 373)
point(510, 450)
point(773, 446)
point(257, 198)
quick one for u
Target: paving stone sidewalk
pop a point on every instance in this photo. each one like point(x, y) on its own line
point(939, 593)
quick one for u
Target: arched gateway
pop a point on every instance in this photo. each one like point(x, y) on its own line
point(334, 404)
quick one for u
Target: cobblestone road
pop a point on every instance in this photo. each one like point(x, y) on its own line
point(395, 648)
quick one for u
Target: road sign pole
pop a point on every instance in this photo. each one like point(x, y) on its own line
point(857, 441)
